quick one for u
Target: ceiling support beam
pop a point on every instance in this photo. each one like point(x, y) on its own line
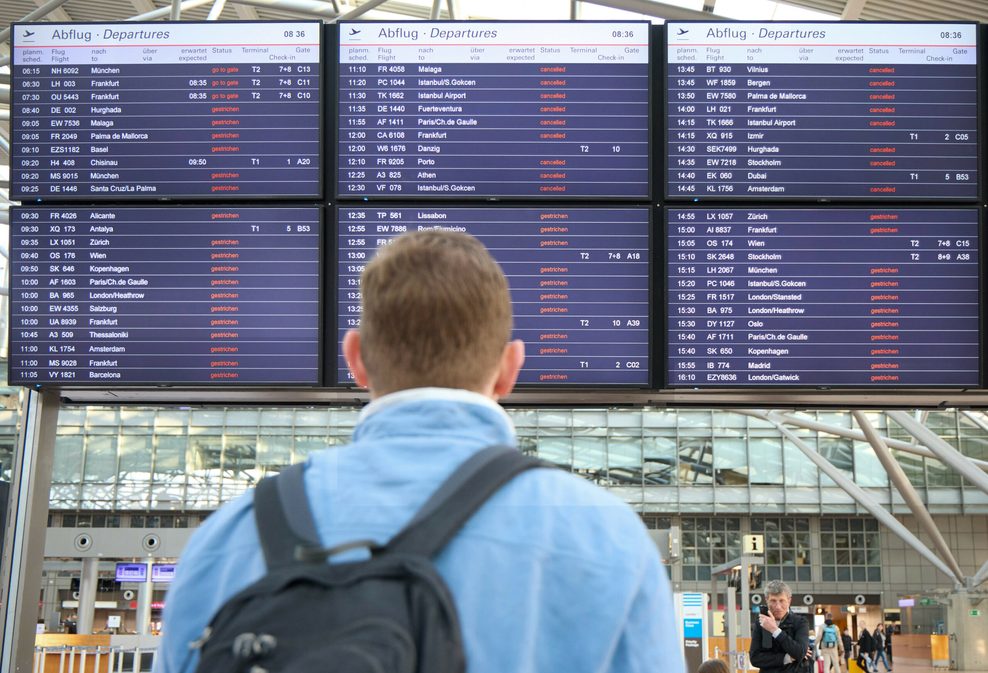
point(656, 9)
point(41, 12)
point(245, 12)
point(852, 10)
point(896, 444)
point(167, 11)
point(216, 10)
point(58, 14)
point(980, 576)
point(944, 451)
point(313, 7)
point(861, 496)
point(142, 6)
point(905, 488)
point(360, 11)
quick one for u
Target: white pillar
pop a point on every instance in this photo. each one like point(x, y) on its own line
point(966, 623)
point(144, 593)
point(50, 607)
point(87, 594)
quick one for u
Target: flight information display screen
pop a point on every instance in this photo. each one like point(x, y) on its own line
point(822, 111)
point(165, 111)
point(579, 281)
point(158, 295)
point(835, 297)
point(487, 110)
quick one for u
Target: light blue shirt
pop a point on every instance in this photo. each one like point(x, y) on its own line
point(552, 574)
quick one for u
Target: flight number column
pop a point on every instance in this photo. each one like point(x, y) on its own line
point(703, 286)
point(374, 149)
point(49, 140)
point(700, 126)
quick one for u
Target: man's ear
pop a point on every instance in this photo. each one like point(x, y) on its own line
point(354, 358)
point(512, 358)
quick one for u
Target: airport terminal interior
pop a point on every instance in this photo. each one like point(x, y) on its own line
point(871, 504)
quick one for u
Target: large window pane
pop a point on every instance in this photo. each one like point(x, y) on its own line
point(135, 456)
point(67, 460)
point(274, 451)
point(868, 470)
point(766, 460)
point(169, 455)
point(799, 470)
point(695, 461)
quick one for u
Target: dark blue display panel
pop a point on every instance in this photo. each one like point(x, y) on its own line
point(552, 110)
point(131, 572)
point(579, 281)
point(117, 296)
point(822, 111)
point(165, 111)
point(826, 297)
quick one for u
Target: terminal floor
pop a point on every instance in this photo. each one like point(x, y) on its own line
point(917, 666)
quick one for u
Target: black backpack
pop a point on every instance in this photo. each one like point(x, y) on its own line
point(391, 613)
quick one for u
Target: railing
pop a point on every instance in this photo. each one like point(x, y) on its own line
point(66, 659)
point(736, 660)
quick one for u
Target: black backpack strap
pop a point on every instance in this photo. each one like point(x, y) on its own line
point(284, 519)
point(445, 512)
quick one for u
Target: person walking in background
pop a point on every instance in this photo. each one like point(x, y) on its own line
point(879, 637)
point(866, 648)
point(830, 645)
point(848, 643)
point(888, 643)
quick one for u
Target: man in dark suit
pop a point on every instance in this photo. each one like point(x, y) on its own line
point(780, 639)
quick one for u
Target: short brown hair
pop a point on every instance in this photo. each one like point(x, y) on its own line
point(436, 312)
point(713, 666)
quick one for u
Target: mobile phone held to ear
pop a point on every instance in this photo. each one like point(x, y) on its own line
point(766, 636)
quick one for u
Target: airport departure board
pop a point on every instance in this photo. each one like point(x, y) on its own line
point(822, 111)
point(552, 110)
point(579, 281)
point(164, 295)
point(165, 111)
point(823, 297)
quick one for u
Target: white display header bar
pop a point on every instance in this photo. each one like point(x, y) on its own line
point(822, 43)
point(161, 43)
point(490, 42)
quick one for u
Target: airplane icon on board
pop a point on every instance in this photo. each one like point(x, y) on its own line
point(682, 31)
point(354, 31)
point(28, 33)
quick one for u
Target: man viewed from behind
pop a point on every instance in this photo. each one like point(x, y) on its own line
point(830, 644)
point(550, 574)
point(780, 639)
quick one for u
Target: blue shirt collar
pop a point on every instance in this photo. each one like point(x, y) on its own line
point(411, 395)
